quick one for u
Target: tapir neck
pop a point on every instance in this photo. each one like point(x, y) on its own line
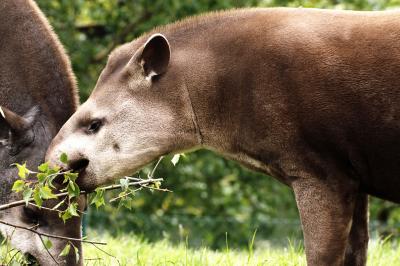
point(232, 115)
point(228, 119)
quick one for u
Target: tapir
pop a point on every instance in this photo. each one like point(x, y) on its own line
point(38, 93)
point(310, 97)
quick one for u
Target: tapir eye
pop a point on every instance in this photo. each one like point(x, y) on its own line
point(30, 216)
point(94, 126)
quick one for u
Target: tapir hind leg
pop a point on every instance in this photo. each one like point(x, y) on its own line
point(326, 210)
point(357, 247)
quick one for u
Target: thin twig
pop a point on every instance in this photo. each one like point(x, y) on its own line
point(47, 250)
point(59, 195)
point(105, 252)
point(33, 227)
point(133, 178)
point(155, 167)
point(50, 235)
point(44, 208)
point(159, 189)
point(51, 209)
point(125, 195)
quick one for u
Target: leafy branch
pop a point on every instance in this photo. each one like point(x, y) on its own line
point(143, 183)
point(37, 187)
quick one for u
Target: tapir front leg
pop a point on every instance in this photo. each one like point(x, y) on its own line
point(326, 209)
point(357, 247)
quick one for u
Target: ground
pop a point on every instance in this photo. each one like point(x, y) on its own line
point(129, 250)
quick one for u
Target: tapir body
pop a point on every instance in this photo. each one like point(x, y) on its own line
point(310, 97)
point(38, 93)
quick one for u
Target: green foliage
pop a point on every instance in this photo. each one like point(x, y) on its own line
point(98, 198)
point(41, 189)
point(64, 158)
point(66, 250)
point(175, 159)
point(47, 243)
point(211, 196)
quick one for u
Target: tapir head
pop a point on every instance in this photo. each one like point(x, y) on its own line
point(138, 111)
point(23, 139)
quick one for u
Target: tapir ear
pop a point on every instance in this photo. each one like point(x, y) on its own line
point(15, 123)
point(153, 56)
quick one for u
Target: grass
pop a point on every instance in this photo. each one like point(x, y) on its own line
point(130, 250)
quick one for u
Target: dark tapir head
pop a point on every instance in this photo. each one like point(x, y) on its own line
point(17, 134)
point(23, 138)
point(139, 110)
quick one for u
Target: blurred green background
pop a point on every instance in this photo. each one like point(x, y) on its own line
point(212, 196)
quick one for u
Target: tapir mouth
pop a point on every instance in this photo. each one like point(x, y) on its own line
point(84, 181)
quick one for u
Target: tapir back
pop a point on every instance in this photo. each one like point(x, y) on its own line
point(34, 68)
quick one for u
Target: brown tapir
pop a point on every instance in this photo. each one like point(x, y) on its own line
point(311, 97)
point(37, 95)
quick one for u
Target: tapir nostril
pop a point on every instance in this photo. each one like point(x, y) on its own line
point(78, 165)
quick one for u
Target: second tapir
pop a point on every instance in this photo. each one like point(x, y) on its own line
point(311, 97)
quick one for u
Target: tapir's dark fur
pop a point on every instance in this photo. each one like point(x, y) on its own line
point(311, 97)
point(38, 94)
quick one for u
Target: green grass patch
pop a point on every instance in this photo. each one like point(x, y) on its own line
point(131, 250)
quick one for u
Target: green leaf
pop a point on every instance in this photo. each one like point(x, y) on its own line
point(36, 197)
point(98, 199)
point(175, 159)
point(41, 177)
point(157, 184)
point(66, 250)
point(18, 186)
point(46, 193)
point(73, 209)
point(53, 170)
point(23, 172)
point(124, 183)
point(44, 167)
point(76, 254)
point(66, 215)
point(64, 158)
point(73, 189)
point(69, 212)
point(125, 202)
point(27, 194)
point(50, 181)
point(47, 243)
point(70, 176)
